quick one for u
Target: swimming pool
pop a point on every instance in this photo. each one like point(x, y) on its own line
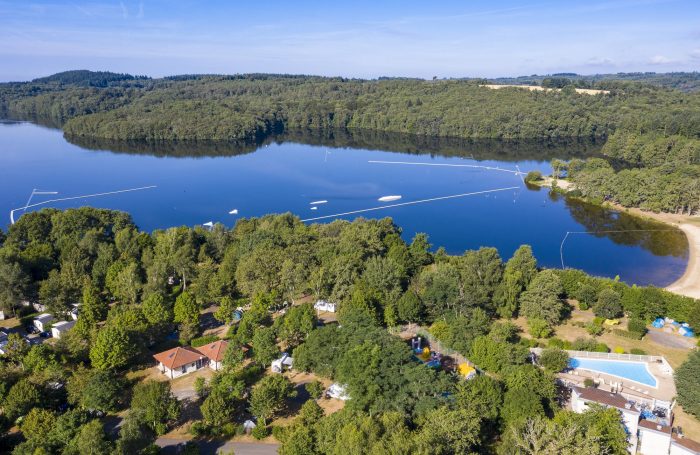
point(633, 371)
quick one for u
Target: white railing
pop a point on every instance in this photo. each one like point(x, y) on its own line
point(615, 356)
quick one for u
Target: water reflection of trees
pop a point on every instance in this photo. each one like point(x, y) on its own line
point(665, 241)
point(500, 150)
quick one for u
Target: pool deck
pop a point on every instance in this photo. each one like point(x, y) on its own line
point(665, 389)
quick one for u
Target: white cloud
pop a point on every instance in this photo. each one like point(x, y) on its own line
point(660, 60)
point(600, 61)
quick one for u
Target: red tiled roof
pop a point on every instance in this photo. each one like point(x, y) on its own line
point(689, 444)
point(177, 357)
point(601, 396)
point(654, 426)
point(215, 351)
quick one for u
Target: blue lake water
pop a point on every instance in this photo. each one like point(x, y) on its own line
point(634, 371)
point(285, 176)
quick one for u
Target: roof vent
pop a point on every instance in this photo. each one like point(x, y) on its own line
point(658, 427)
point(628, 406)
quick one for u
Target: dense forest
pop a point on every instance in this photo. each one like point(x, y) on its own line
point(141, 293)
point(683, 81)
point(650, 134)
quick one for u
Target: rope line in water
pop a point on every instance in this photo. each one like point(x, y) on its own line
point(411, 163)
point(12, 212)
point(400, 204)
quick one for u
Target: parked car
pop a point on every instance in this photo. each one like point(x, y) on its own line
point(31, 329)
point(45, 334)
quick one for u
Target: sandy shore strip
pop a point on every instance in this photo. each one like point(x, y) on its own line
point(689, 283)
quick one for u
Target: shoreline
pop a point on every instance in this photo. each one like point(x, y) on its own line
point(689, 283)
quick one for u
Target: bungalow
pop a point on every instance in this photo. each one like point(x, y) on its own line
point(683, 446)
point(43, 321)
point(214, 352)
point(60, 328)
point(322, 305)
point(654, 438)
point(180, 360)
point(74, 311)
point(582, 397)
point(283, 363)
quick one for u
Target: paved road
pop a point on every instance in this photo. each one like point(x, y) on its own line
point(171, 446)
point(670, 340)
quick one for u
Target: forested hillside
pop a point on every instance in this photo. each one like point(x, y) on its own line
point(141, 293)
point(655, 131)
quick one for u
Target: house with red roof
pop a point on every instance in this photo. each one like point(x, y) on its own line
point(180, 360)
point(214, 352)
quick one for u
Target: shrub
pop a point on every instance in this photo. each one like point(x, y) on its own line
point(201, 341)
point(588, 382)
point(260, 431)
point(637, 325)
point(315, 389)
point(594, 329)
point(583, 306)
point(539, 328)
point(554, 360)
point(559, 343)
point(598, 320)
point(199, 429)
point(609, 304)
point(637, 351)
point(628, 334)
point(601, 347)
point(619, 350)
point(533, 176)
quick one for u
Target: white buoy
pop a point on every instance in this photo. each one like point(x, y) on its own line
point(389, 198)
point(233, 212)
point(318, 202)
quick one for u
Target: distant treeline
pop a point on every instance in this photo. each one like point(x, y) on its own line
point(652, 131)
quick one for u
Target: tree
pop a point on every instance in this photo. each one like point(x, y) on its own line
point(124, 282)
point(539, 328)
point(292, 274)
point(310, 413)
point(155, 405)
point(297, 324)
point(409, 307)
point(483, 394)
point(112, 349)
point(95, 390)
point(90, 440)
point(264, 346)
point(92, 310)
point(16, 348)
point(587, 295)
point(22, 397)
point(37, 424)
point(315, 389)
point(225, 311)
point(217, 410)
point(520, 404)
point(542, 300)
point(156, 310)
point(687, 384)
point(14, 283)
point(449, 431)
point(554, 360)
point(608, 305)
point(269, 396)
point(186, 309)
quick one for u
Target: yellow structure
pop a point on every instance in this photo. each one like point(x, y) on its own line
point(612, 322)
point(466, 371)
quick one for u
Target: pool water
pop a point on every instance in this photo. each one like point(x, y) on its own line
point(633, 371)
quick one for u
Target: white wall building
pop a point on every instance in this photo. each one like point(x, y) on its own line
point(179, 361)
point(61, 327)
point(43, 321)
point(654, 438)
point(683, 446)
point(322, 305)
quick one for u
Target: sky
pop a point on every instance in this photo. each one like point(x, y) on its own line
point(358, 38)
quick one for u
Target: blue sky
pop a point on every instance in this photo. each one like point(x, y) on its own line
point(356, 39)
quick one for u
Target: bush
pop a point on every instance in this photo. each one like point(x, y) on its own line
point(637, 351)
point(598, 320)
point(637, 325)
point(559, 343)
point(594, 329)
point(199, 429)
point(628, 334)
point(201, 341)
point(315, 389)
point(539, 328)
point(609, 304)
point(588, 382)
point(533, 176)
point(589, 344)
point(260, 431)
point(554, 360)
point(583, 306)
point(601, 347)
point(619, 350)
point(688, 385)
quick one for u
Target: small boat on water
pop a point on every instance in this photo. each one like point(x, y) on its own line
point(233, 212)
point(209, 224)
point(318, 202)
point(389, 198)
point(314, 208)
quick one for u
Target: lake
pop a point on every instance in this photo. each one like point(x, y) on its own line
point(198, 183)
